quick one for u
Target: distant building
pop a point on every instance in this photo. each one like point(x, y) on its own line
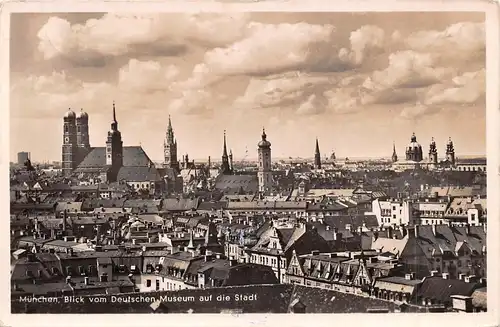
point(112, 163)
point(264, 174)
point(22, 157)
point(317, 156)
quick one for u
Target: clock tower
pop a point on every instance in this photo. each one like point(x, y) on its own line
point(69, 147)
point(114, 149)
point(170, 148)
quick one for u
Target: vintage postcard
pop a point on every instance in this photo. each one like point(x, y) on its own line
point(250, 158)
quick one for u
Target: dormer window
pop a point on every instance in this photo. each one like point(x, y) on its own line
point(149, 268)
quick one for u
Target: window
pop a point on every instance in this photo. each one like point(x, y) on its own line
point(148, 282)
point(157, 284)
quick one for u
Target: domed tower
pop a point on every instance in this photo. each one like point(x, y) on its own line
point(433, 153)
point(414, 150)
point(69, 147)
point(82, 130)
point(450, 152)
point(264, 173)
point(114, 148)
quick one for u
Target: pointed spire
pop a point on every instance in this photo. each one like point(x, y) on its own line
point(224, 150)
point(114, 112)
point(169, 123)
point(263, 133)
point(191, 241)
point(317, 146)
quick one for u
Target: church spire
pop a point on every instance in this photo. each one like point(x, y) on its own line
point(394, 154)
point(114, 124)
point(225, 167)
point(224, 150)
point(317, 156)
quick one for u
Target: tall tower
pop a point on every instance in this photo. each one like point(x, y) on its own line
point(317, 156)
point(433, 153)
point(82, 130)
point(69, 147)
point(264, 174)
point(225, 167)
point(170, 148)
point(231, 160)
point(114, 147)
point(394, 154)
point(414, 150)
point(450, 152)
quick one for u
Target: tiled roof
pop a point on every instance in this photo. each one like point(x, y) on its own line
point(441, 289)
point(133, 156)
point(248, 183)
point(138, 174)
point(179, 204)
point(69, 206)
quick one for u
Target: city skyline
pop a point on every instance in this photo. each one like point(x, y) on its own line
point(358, 82)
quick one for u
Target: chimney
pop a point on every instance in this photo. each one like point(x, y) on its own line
point(461, 276)
point(98, 248)
point(208, 257)
point(417, 231)
point(408, 276)
point(446, 276)
point(434, 273)
point(327, 227)
point(86, 279)
point(467, 229)
point(470, 279)
point(134, 241)
point(233, 262)
point(434, 231)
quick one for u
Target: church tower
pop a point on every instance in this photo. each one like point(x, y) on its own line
point(69, 147)
point(225, 166)
point(433, 153)
point(414, 150)
point(317, 156)
point(264, 173)
point(114, 148)
point(82, 130)
point(450, 152)
point(394, 154)
point(170, 148)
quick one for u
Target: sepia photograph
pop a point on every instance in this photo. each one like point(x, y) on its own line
point(236, 162)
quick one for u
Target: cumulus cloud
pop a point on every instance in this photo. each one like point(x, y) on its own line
point(52, 95)
point(418, 111)
point(365, 41)
point(468, 88)
point(146, 76)
point(120, 34)
point(461, 38)
point(407, 71)
point(280, 90)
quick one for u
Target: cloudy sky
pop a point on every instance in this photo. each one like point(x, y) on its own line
point(358, 82)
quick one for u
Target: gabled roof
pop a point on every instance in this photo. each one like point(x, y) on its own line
point(138, 174)
point(133, 156)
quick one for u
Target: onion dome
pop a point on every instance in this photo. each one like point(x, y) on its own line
point(264, 143)
point(70, 114)
point(413, 143)
point(82, 115)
